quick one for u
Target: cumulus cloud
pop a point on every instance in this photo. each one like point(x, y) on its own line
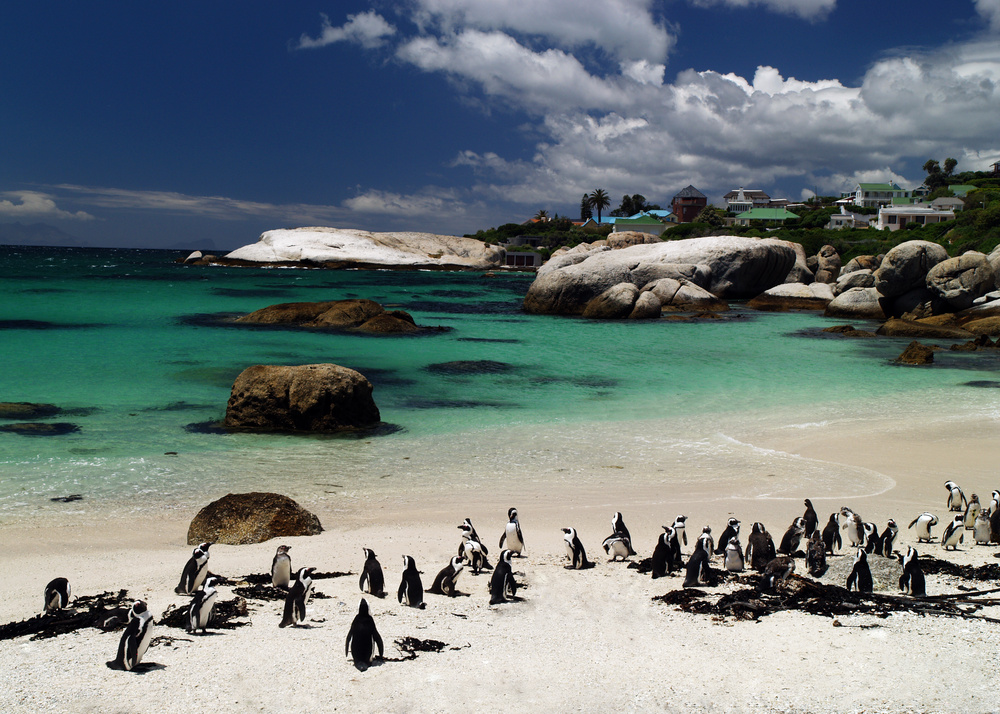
point(36, 205)
point(368, 29)
point(990, 11)
point(429, 202)
point(806, 9)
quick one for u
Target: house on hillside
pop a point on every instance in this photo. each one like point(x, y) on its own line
point(946, 203)
point(644, 223)
point(873, 195)
point(688, 203)
point(742, 200)
point(895, 217)
point(777, 216)
point(847, 219)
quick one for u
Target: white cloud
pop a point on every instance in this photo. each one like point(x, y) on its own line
point(368, 29)
point(429, 202)
point(806, 9)
point(625, 29)
point(990, 10)
point(36, 205)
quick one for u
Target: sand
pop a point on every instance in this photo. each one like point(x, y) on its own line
point(577, 641)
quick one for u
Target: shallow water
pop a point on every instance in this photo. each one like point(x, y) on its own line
point(118, 337)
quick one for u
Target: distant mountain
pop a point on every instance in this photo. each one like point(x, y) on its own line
point(37, 234)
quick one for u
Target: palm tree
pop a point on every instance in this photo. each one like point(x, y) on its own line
point(542, 215)
point(599, 200)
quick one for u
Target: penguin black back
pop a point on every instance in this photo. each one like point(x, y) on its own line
point(135, 639)
point(860, 578)
point(911, 581)
point(444, 583)
point(363, 638)
point(411, 589)
point(502, 583)
point(57, 594)
point(831, 535)
point(663, 554)
point(372, 580)
point(811, 520)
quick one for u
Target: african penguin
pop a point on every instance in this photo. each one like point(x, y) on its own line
point(57, 594)
point(676, 537)
point(981, 533)
point(954, 533)
point(760, 548)
point(411, 590)
point(574, 550)
point(195, 570)
point(956, 499)
point(860, 578)
point(732, 531)
point(444, 583)
point(995, 526)
point(663, 554)
point(200, 611)
point(298, 596)
point(512, 534)
point(617, 546)
point(698, 571)
point(472, 549)
point(679, 528)
point(870, 533)
point(706, 541)
point(469, 531)
point(281, 568)
point(994, 501)
point(502, 584)
point(779, 569)
point(923, 522)
point(790, 541)
point(971, 511)
point(888, 539)
point(363, 638)
point(733, 557)
point(831, 534)
point(810, 518)
point(816, 555)
point(135, 638)
point(911, 581)
point(372, 580)
point(853, 527)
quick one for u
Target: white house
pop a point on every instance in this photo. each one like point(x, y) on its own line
point(873, 195)
point(895, 217)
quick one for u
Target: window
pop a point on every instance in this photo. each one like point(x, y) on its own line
point(891, 220)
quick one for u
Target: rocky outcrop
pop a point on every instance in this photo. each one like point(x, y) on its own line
point(863, 303)
point(907, 328)
point(916, 354)
point(736, 266)
point(647, 306)
point(959, 281)
point(827, 265)
point(344, 247)
point(856, 279)
point(614, 303)
point(245, 518)
point(354, 315)
point(862, 262)
point(683, 296)
point(793, 296)
point(306, 398)
point(624, 239)
point(800, 272)
point(905, 267)
point(40, 428)
point(983, 326)
point(27, 410)
point(850, 331)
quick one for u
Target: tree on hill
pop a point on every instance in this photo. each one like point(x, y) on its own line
point(949, 166)
point(710, 215)
point(630, 205)
point(585, 213)
point(599, 201)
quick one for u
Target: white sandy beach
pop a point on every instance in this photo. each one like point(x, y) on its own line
point(578, 641)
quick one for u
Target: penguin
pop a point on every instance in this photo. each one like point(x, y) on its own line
point(195, 570)
point(760, 548)
point(698, 571)
point(681, 532)
point(679, 535)
point(444, 583)
point(956, 499)
point(298, 596)
point(502, 584)
point(971, 512)
point(200, 611)
point(574, 550)
point(779, 569)
point(888, 539)
point(790, 541)
point(706, 541)
point(816, 555)
point(618, 528)
point(923, 522)
point(733, 559)
point(995, 526)
point(135, 638)
point(663, 554)
point(810, 518)
point(472, 549)
point(469, 531)
point(853, 527)
point(363, 638)
point(281, 568)
point(411, 590)
point(860, 578)
point(732, 531)
point(831, 534)
point(617, 546)
point(954, 533)
point(981, 533)
point(57, 594)
point(372, 581)
point(911, 581)
point(870, 536)
point(512, 534)
point(995, 501)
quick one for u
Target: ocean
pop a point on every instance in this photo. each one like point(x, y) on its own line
point(124, 341)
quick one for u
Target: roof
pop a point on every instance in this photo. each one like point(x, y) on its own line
point(640, 221)
point(879, 187)
point(947, 201)
point(690, 191)
point(658, 212)
point(962, 189)
point(749, 193)
point(766, 214)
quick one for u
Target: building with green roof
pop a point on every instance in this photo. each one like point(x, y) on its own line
point(962, 190)
point(769, 215)
point(873, 195)
point(645, 224)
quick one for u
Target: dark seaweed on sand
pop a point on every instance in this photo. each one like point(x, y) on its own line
point(107, 611)
point(223, 615)
point(411, 646)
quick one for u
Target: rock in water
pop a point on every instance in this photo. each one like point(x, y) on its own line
point(244, 518)
point(308, 398)
point(916, 353)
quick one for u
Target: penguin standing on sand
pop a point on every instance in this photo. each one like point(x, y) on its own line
point(469, 533)
point(888, 539)
point(372, 580)
point(923, 522)
point(512, 534)
point(135, 638)
point(195, 570)
point(793, 536)
point(619, 543)
point(619, 528)
point(698, 570)
point(56, 595)
point(860, 578)
point(472, 549)
point(706, 541)
point(811, 520)
point(956, 499)
point(831, 534)
point(852, 527)
point(760, 547)
point(574, 550)
point(664, 557)
point(200, 611)
point(954, 533)
point(363, 638)
point(870, 531)
point(502, 584)
point(444, 583)
point(411, 590)
point(679, 526)
point(298, 596)
point(732, 531)
point(911, 581)
point(816, 556)
point(981, 532)
point(971, 512)
point(281, 568)
point(733, 559)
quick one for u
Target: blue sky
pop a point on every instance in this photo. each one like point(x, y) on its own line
point(155, 125)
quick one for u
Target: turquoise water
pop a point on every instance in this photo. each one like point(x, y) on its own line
point(118, 337)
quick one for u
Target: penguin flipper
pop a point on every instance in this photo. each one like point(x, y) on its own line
point(347, 644)
point(503, 537)
point(378, 641)
point(288, 617)
point(402, 589)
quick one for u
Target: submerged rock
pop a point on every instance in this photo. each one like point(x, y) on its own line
point(916, 354)
point(907, 328)
point(355, 315)
point(244, 518)
point(27, 410)
point(35, 428)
